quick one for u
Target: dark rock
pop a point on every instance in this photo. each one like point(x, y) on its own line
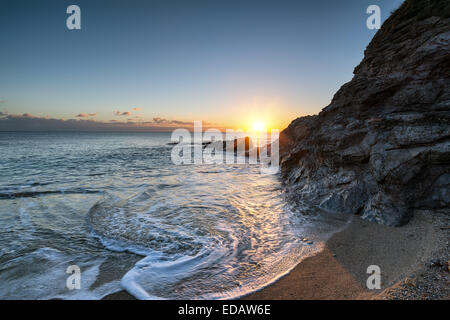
point(382, 147)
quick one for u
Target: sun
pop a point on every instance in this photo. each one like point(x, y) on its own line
point(258, 126)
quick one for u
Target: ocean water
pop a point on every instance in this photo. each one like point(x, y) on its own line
point(115, 205)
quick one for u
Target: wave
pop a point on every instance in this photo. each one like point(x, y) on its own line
point(30, 194)
point(41, 274)
point(205, 246)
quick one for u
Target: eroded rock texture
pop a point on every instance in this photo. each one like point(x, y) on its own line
point(382, 147)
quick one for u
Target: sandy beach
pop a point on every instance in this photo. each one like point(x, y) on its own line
point(408, 256)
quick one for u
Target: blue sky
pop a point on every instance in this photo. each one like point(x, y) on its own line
point(224, 62)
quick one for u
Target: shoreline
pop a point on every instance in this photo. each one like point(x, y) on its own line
point(413, 260)
point(405, 255)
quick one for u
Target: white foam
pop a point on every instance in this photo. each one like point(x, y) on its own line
point(41, 274)
point(151, 273)
point(120, 246)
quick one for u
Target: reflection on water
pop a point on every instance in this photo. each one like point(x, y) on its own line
point(118, 207)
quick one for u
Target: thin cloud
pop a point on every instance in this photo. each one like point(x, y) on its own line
point(159, 120)
point(86, 115)
point(120, 113)
point(137, 109)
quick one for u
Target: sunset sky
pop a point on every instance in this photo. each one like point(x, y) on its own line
point(228, 63)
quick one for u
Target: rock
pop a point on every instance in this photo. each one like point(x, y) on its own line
point(382, 147)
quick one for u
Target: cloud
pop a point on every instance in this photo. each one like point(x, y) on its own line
point(29, 122)
point(137, 109)
point(120, 113)
point(158, 120)
point(178, 122)
point(3, 101)
point(86, 115)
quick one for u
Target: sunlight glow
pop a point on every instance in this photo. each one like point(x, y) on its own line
point(258, 126)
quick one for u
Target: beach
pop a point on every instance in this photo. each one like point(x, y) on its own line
point(411, 258)
point(406, 256)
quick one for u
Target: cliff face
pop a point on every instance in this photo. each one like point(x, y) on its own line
point(382, 147)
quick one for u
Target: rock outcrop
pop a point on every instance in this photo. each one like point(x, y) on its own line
point(382, 147)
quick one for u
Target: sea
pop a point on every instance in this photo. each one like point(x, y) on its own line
point(115, 207)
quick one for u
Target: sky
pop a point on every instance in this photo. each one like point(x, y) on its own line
point(161, 64)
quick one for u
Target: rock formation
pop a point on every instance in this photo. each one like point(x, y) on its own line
point(382, 147)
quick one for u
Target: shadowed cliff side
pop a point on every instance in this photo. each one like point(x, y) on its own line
point(382, 147)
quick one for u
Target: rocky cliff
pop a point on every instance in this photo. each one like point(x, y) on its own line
point(382, 147)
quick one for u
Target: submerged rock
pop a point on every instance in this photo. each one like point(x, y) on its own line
point(382, 147)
